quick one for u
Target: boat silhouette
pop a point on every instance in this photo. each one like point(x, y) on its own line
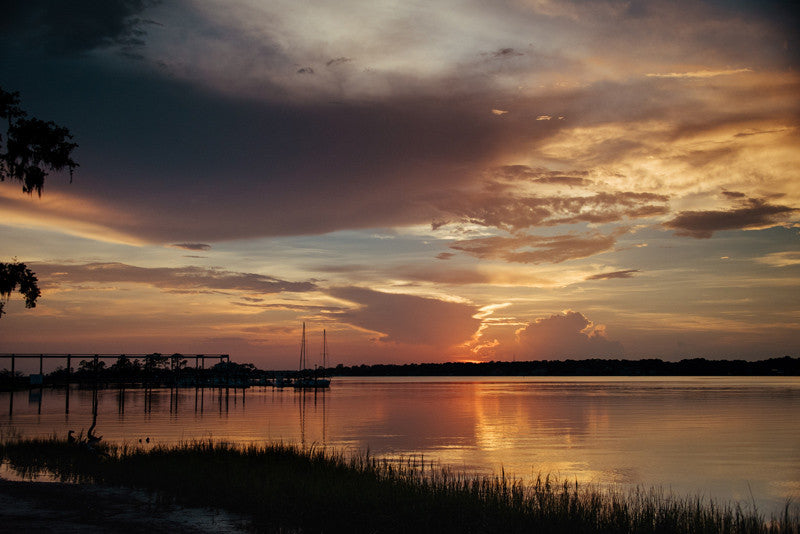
point(312, 378)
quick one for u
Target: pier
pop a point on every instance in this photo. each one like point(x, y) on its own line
point(145, 371)
point(173, 359)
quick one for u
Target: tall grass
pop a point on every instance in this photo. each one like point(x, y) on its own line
point(315, 490)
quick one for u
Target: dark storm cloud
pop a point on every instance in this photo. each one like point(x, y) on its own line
point(189, 279)
point(245, 168)
point(782, 16)
point(615, 274)
point(174, 160)
point(755, 213)
point(192, 246)
point(408, 319)
point(74, 26)
point(537, 249)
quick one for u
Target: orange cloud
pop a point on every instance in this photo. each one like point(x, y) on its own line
point(408, 319)
point(67, 213)
point(538, 249)
point(566, 335)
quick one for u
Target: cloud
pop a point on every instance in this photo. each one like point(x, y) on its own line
point(509, 199)
point(438, 274)
point(754, 214)
point(228, 126)
point(566, 335)
point(506, 53)
point(444, 255)
point(615, 274)
point(733, 194)
point(77, 26)
point(788, 258)
point(337, 61)
point(512, 174)
point(173, 279)
point(514, 213)
point(408, 319)
point(700, 73)
point(192, 246)
point(538, 249)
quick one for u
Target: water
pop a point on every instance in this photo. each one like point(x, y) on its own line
point(725, 438)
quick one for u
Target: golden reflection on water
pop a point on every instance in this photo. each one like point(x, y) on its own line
point(720, 437)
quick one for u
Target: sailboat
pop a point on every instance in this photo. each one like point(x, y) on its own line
point(310, 379)
point(322, 381)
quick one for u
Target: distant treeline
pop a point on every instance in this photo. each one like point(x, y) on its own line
point(593, 367)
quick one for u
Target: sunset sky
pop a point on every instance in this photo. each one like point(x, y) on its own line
point(428, 181)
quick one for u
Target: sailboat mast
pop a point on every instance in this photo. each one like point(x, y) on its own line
point(303, 349)
point(324, 350)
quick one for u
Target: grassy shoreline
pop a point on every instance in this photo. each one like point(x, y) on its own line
point(285, 488)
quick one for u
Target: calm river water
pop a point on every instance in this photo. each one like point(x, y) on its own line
point(726, 438)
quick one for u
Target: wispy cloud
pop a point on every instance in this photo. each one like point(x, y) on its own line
point(188, 278)
point(628, 273)
point(700, 73)
point(517, 211)
point(538, 249)
point(192, 246)
point(788, 258)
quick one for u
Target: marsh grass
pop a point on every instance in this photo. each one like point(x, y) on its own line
point(285, 488)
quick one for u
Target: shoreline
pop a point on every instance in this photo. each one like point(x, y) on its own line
point(45, 506)
point(284, 488)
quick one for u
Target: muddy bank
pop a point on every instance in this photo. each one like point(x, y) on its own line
point(78, 508)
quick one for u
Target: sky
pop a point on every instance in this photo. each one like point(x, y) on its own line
point(453, 180)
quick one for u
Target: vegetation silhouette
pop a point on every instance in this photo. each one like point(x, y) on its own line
point(156, 370)
point(15, 275)
point(284, 488)
point(30, 149)
point(592, 367)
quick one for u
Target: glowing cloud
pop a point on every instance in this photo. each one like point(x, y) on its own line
point(700, 73)
point(408, 319)
point(566, 335)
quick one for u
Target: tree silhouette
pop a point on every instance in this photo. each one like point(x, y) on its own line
point(17, 275)
point(29, 150)
point(31, 147)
